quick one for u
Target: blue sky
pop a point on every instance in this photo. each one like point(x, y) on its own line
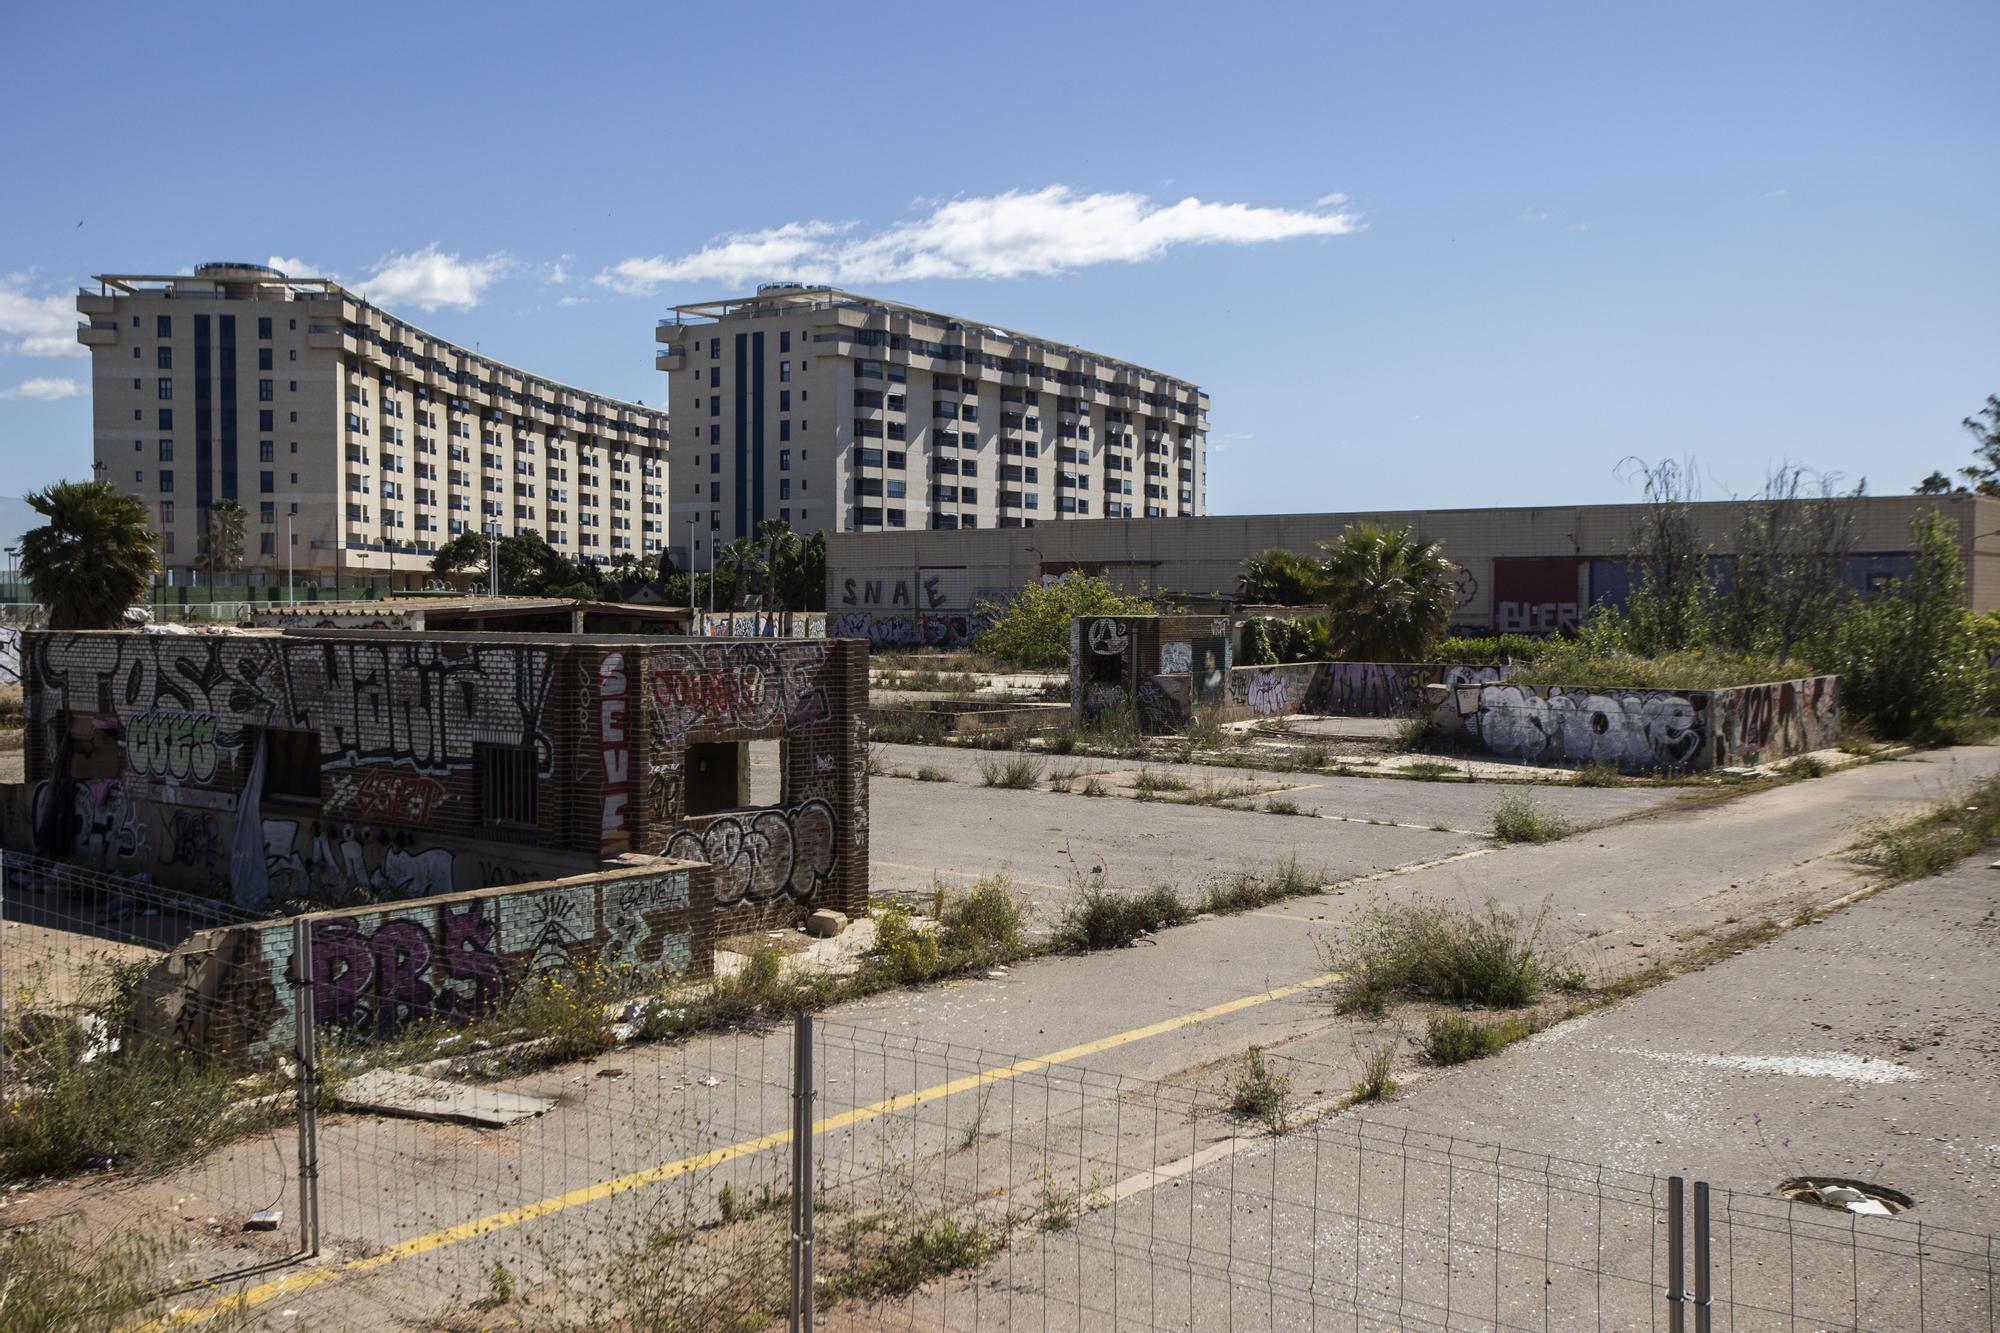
point(1441, 255)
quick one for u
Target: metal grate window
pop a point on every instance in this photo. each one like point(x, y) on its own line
point(506, 783)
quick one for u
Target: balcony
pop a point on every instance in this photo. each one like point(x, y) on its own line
point(97, 335)
point(95, 303)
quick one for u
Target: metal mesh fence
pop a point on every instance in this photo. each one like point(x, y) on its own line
point(562, 1168)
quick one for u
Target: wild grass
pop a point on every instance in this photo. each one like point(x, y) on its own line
point(1518, 817)
point(1211, 792)
point(1377, 1083)
point(1248, 891)
point(54, 1276)
point(1151, 784)
point(1093, 787)
point(1064, 779)
point(932, 773)
point(1413, 733)
point(1259, 1091)
point(1454, 1038)
point(1284, 805)
point(1581, 663)
point(1936, 840)
point(1804, 766)
point(1098, 918)
point(1016, 773)
point(1426, 950)
point(894, 1255)
point(1599, 774)
point(1429, 770)
point(909, 727)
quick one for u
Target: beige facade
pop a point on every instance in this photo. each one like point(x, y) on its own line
point(1531, 570)
point(848, 413)
point(354, 440)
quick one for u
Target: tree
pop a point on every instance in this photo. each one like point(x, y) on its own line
point(745, 561)
point(1666, 612)
point(802, 581)
point(1279, 577)
point(1389, 597)
point(1033, 630)
point(1984, 426)
point(1791, 563)
point(1937, 483)
point(1909, 659)
point(781, 546)
point(219, 544)
point(92, 559)
point(529, 566)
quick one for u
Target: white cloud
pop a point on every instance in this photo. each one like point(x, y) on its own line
point(294, 267)
point(429, 278)
point(43, 389)
point(1011, 235)
point(1533, 215)
point(573, 299)
point(558, 273)
point(39, 325)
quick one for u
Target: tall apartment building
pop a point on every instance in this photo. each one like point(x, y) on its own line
point(354, 441)
point(921, 420)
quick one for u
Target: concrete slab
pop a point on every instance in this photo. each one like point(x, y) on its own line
point(393, 1092)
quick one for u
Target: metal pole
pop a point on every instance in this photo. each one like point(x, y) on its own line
point(1704, 1294)
point(1676, 1277)
point(3, 980)
point(492, 561)
point(802, 1174)
point(711, 574)
point(306, 1048)
point(291, 589)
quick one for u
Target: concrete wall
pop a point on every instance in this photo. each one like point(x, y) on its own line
point(1113, 661)
point(1348, 689)
point(262, 766)
point(1635, 730)
point(228, 992)
point(943, 571)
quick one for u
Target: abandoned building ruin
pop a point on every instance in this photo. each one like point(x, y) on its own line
point(455, 810)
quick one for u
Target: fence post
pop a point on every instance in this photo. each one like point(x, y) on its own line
point(1704, 1295)
point(802, 1174)
point(306, 1095)
point(3, 979)
point(1676, 1274)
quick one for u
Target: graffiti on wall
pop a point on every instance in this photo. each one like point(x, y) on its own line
point(419, 704)
point(1177, 656)
point(387, 793)
point(195, 840)
point(373, 973)
point(93, 820)
point(615, 750)
point(1535, 594)
point(1210, 669)
point(1757, 723)
point(1108, 637)
point(761, 856)
point(163, 743)
point(894, 592)
point(10, 655)
point(1267, 693)
point(740, 689)
point(1627, 729)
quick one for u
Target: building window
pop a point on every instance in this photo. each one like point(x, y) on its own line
point(784, 372)
point(267, 543)
point(714, 464)
point(714, 492)
point(166, 356)
point(265, 451)
point(784, 460)
point(264, 483)
point(506, 783)
point(784, 428)
point(784, 488)
point(263, 358)
point(264, 391)
point(264, 326)
point(264, 417)
point(166, 451)
point(715, 377)
point(163, 326)
point(167, 389)
point(784, 341)
point(291, 764)
point(166, 480)
point(784, 400)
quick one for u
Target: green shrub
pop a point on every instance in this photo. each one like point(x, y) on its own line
point(1430, 951)
point(1909, 658)
point(1034, 629)
point(1453, 1039)
point(1577, 662)
point(1377, 1068)
point(53, 1276)
point(893, 1256)
point(1100, 919)
point(984, 925)
point(1260, 1092)
point(1493, 650)
point(1519, 818)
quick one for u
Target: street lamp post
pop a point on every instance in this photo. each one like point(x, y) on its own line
point(291, 587)
point(493, 560)
point(713, 533)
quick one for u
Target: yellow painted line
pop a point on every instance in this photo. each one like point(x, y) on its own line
point(294, 1283)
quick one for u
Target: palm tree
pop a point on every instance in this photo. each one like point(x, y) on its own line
point(1278, 577)
point(92, 559)
point(745, 561)
point(1389, 597)
point(220, 542)
point(781, 546)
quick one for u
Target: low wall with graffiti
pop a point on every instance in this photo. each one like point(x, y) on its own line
point(762, 624)
point(231, 992)
point(1166, 699)
point(1640, 730)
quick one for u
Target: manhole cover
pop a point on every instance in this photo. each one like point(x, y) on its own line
point(1848, 1196)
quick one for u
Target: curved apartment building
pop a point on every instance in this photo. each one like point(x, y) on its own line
point(356, 442)
point(855, 414)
